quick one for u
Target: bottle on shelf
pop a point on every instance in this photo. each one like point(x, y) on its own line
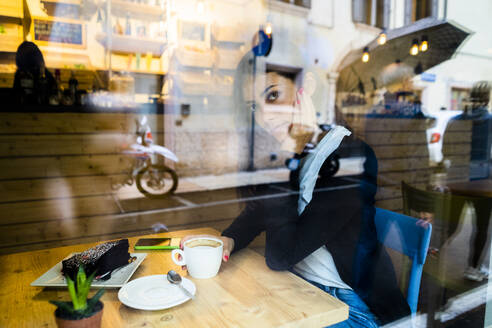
point(138, 57)
point(128, 25)
point(26, 88)
point(56, 92)
point(42, 88)
point(118, 29)
point(148, 58)
point(141, 32)
point(72, 87)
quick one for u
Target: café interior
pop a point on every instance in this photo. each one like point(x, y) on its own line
point(357, 134)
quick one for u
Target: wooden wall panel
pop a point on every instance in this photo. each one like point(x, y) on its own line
point(72, 228)
point(39, 189)
point(399, 151)
point(414, 163)
point(56, 171)
point(459, 125)
point(62, 166)
point(400, 146)
point(54, 123)
point(57, 209)
point(395, 178)
point(70, 144)
point(390, 192)
point(395, 138)
point(392, 204)
point(67, 123)
point(387, 124)
point(218, 225)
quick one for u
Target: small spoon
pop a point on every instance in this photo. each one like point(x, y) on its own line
point(174, 278)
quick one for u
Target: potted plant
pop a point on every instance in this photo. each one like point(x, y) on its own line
point(80, 312)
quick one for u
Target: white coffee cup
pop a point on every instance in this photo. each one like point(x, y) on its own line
point(202, 261)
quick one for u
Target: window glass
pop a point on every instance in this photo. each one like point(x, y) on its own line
point(345, 142)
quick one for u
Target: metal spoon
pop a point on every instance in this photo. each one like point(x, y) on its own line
point(174, 278)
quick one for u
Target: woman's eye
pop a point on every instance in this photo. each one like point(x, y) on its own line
point(272, 96)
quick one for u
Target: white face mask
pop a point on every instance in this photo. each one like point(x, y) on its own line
point(287, 115)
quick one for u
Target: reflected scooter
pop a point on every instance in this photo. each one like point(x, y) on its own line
point(329, 168)
point(153, 180)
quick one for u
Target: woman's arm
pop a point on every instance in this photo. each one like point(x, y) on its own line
point(324, 219)
point(241, 232)
point(246, 226)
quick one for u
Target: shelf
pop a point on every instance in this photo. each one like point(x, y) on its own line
point(9, 43)
point(141, 71)
point(67, 2)
point(60, 59)
point(11, 19)
point(11, 9)
point(134, 71)
point(137, 10)
point(132, 45)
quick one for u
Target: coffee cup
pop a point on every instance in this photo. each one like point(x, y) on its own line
point(202, 256)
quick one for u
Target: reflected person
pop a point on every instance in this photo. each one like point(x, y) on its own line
point(481, 150)
point(33, 82)
point(327, 237)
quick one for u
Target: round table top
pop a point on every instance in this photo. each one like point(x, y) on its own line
point(477, 188)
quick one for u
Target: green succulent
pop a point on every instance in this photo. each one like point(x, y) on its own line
point(80, 307)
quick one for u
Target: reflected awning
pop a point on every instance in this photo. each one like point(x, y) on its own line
point(444, 38)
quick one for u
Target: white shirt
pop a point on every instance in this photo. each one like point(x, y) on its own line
point(319, 267)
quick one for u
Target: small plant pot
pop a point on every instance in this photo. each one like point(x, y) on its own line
point(93, 321)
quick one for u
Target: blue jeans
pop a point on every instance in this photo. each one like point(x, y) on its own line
point(359, 314)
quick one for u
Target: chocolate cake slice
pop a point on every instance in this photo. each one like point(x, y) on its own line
point(103, 258)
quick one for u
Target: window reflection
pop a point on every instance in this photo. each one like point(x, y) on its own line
point(122, 118)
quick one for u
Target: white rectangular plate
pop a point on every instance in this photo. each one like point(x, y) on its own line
point(54, 278)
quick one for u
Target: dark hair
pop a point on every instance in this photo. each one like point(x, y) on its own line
point(480, 94)
point(29, 57)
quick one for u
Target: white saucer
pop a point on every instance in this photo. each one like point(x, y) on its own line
point(154, 293)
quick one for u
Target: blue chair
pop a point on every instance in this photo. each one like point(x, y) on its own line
point(401, 233)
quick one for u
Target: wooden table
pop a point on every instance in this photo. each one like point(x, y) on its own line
point(245, 293)
point(475, 188)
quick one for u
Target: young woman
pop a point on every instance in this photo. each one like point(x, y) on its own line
point(329, 240)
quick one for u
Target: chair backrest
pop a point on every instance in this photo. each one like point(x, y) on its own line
point(444, 206)
point(403, 234)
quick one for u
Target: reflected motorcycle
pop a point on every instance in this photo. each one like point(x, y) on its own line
point(152, 180)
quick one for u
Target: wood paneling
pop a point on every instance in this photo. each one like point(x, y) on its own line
point(69, 123)
point(415, 163)
point(395, 178)
point(400, 146)
point(59, 144)
point(73, 228)
point(395, 138)
point(56, 172)
point(38, 189)
point(399, 151)
point(359, 123)
point(62, 166)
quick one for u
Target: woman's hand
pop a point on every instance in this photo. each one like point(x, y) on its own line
point(226, 250)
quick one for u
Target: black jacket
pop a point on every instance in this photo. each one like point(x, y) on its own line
point(343, 220)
